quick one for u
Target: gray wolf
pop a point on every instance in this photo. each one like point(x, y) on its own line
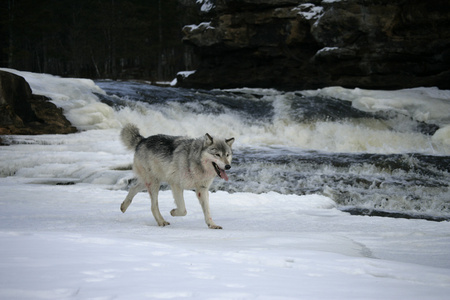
point(184, 163)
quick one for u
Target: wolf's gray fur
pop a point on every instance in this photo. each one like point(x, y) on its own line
point(182, 162)
point(130, 136)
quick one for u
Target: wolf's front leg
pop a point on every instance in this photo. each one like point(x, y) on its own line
point(203, 197)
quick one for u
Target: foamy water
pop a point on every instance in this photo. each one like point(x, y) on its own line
point(260, 117)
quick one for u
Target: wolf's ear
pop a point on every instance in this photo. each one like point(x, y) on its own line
point(229, 141)
point(208, 140)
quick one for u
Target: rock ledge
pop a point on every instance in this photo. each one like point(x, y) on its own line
point(21, 112)
point(294, 44)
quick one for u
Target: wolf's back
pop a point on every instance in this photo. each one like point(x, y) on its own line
point(130, 136)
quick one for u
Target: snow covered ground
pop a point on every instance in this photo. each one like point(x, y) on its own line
point(72, 242)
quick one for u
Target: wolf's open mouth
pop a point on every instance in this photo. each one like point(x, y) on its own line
point(221, 173)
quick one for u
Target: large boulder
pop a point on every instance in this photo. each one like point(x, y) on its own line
point(21, 112)
point(294, 44)
point(14, 106)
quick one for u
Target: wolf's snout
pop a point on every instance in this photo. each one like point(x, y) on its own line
point(227, 167)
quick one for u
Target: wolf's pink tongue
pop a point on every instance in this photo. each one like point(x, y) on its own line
point(223, 175)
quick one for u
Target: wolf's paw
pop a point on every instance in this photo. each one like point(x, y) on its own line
point(214, 226)
point(176, 213)
point(124, 206)
point(163, 223)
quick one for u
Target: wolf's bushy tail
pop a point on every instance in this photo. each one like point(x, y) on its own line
point(130, 136)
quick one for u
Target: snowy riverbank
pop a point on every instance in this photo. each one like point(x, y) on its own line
point(72, 242)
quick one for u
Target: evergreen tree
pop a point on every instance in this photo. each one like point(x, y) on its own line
point(95, 38)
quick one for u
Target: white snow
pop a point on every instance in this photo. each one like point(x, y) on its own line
point(327, 49)
point(202, 26)
point(184, 74)
point(206, 5)
point(72, 241)
point(64, 242)
point(309, 11)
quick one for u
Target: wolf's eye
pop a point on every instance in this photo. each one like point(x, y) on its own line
point(218, 155)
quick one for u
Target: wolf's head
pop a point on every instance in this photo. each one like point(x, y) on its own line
point(220, 154)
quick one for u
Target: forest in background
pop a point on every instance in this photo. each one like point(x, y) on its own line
point(118, 39)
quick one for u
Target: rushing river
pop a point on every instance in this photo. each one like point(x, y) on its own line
point(376, 153)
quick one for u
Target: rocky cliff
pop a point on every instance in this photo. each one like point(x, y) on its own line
point(22, 112)
point(294, 44)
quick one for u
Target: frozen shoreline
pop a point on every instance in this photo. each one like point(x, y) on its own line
point(61, 242)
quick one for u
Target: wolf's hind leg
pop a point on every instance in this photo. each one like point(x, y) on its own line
point(153, 190)
point(177, 193)
point(131, 193)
